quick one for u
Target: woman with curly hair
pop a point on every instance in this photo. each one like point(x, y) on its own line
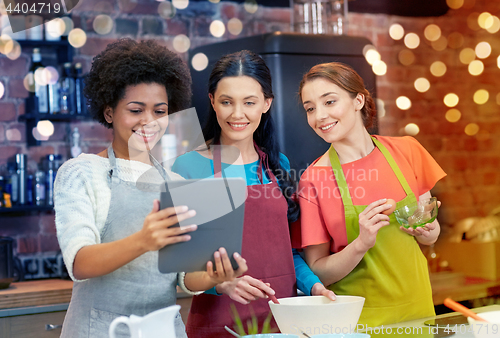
point(110, 231)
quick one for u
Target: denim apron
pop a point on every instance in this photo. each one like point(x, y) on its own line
point(267, 249)
point(136, 288)
point(393, 275)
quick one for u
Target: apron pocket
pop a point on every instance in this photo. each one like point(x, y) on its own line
point(100, 320)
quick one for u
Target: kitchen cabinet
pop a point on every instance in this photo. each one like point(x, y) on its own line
point(32, 326)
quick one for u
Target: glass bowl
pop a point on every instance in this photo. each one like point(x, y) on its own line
point(417, 214)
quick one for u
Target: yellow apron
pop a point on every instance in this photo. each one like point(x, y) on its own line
point(393, 275)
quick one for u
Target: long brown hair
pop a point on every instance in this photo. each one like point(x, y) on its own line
point(346, 78)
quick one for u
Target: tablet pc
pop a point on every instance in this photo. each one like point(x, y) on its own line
point(220, 209)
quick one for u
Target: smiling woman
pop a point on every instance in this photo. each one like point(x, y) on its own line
point(108, 229)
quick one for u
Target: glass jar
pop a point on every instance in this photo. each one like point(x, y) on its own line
point(319, 16)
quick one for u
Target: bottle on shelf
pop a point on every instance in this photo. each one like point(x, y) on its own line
point(40, 90)
point(75, 148)
point(67, 91)
point(21, 161)
point(2, 184)
point(80, 98)
point(54, 101)
point(39, 187)
point(12, 185)
point(52, 161)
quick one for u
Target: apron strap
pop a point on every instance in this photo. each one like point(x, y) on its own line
point(394, 166)
point(339, 176)
point(154, 161)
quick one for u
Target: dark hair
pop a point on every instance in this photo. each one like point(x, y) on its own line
point(346, 78)
point(127, 62)
point(247, 63)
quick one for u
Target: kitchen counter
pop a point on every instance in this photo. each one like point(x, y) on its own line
point(52, 295)
point(35, 297)
point(417, 328)
point(461, 288)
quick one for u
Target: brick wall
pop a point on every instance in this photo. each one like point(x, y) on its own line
point(472, 187)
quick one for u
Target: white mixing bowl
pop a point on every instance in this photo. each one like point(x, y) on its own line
point(491, 329)
point(317, 314)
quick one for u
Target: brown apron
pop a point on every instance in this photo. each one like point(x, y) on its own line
point(268, 252)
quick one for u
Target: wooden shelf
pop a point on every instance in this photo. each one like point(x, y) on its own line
point(26, 208)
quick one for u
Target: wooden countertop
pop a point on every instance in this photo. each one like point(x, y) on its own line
point(35, 293)
point(58, 291)
point(459, 287)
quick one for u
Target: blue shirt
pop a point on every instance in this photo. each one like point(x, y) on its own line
point(193, 165)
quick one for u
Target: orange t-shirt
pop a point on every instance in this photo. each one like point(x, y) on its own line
point(369, 179)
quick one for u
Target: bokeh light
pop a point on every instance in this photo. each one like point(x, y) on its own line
point(199, 61)
point(2, 89)
point(455, 40)
point(38, 136)
point(472, 21)
point(412, 129)
point(471, 129)
point(166, 10)
point(455, 4)
point(432, 32)
point(481, 96)
point(29, 82)
point(498, 99)
point(181, 43)
point(403, 103)
point(482, 18)
point(380, 107)
point(451, 100)
point(483, 50)
point(453, 115)
point(438, 68)
point(15, 52)
point(180, 4)
point(379, 68)
point(498, 61)
point(406, 57)
point(55, 28)
point(41, 76)
point(493, 24)
point(77, 37)
point(13, 134)
point(367, 47)
point(372, 56)
point(103, 24)
point(68, 25)
point(251, 6)
point(217, 28)
point(467, 55)
point(52, 75)
point(476, 67)
point(396, 31)
point(440, 44)
point(214, 1)
point(412, 40)
point(422, 84)
point(6, 44)
point(235, 26)
point(45, 128)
